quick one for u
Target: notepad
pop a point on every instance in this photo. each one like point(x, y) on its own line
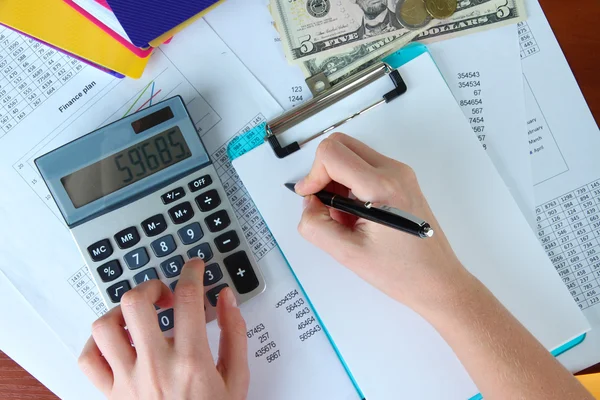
point(391, 351)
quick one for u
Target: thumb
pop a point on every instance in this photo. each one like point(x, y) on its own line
point(233, 346)
point(318, 227)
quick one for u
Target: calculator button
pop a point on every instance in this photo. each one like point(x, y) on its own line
point(241, 272)
point(212, 274)
point(110, 271)
point(174, 285)
point(163, 246)
point(100, 250)
point(208, 201)
point(202, 251)
point(191, 233)
point(200, 183)
point(165, 320)
point(172, 267)
point(116, 291)
point(213, 294)
point(144, 276)
point(136, 258)
point(127, 238)
point(172, 195)
point(181, 213)
point(227, 241)
point(154, 225)
point(217, 221)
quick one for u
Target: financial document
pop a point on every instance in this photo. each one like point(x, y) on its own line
point(563, 148)
point(39, 257)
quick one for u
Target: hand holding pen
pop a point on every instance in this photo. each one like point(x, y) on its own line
point(404, 266)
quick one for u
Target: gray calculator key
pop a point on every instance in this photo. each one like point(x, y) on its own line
point(172, 267)
point(173, 285)
point(202, 251)
point(165, 320)
point(116, 291)
point(213, 294)
point(144, 276)
point(163, 246)
point(191, 233)
point(212, 274)
point(137, 258)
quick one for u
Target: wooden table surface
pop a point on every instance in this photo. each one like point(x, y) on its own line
point(574, 24)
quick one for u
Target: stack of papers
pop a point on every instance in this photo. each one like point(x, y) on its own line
point(539, 142)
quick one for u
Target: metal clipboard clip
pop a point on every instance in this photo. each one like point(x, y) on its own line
point(328, 97)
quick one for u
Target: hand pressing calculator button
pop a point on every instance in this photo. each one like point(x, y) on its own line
point(127, 238)
point(144, 276)
point(100, 250)
point(217, 221)
point(110, 271)
point(181, 213)
point(241, 272)
point(200, 183)
point(213, 294)
point(116, 291)
point(163, 246)
point(154, 225)
point(208, 201)
point(157, 203)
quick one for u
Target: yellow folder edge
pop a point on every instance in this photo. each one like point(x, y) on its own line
point(165, 36)
point(591, 383)
point(56, 23)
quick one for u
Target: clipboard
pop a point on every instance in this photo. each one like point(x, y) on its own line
point(270, 131)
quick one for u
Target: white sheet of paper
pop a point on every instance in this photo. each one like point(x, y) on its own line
point(247, 28)
point(403, 355)
point(103, 15)
point(487, 83)
point(39, 256)
point(564, 141)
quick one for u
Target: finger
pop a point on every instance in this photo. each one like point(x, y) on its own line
point(190, 320)
point(336, 162)
point(362, 150)
point(140, 315)
point(320, 229)
point(113, 341)
point(233, 346)
point(95, 367)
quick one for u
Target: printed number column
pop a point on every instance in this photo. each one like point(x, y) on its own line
point(9, 95)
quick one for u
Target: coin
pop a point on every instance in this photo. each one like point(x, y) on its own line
point(441, 9)
point(412, 14)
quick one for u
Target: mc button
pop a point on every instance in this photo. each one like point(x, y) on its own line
point(100, 250)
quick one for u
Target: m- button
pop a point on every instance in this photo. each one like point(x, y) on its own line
point(100, 250)
point(127, 238)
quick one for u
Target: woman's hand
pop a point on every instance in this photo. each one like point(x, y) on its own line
point(161, 368)
point(412, 270)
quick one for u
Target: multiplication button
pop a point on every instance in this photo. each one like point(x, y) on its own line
point(217, 221)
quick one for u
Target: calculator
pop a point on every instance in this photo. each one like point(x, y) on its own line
point(141, 197)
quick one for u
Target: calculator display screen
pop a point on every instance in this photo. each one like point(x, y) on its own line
point(126, 167)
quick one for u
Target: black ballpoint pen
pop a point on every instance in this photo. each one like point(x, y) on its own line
point(383, 215)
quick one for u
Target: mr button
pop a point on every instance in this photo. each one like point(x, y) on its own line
point(100, 250)
point(127, 238)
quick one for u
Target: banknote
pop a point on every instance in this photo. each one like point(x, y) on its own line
point(472, 16)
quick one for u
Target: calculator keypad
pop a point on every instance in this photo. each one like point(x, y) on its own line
point(154, 225)
point(191, 233)
point(127, 238)
point(144, 276)
point(100, 250)
point(181, 213)
point(177, 227)
point(136, 258)
point(218, 221)
point(110, 271)
point(164, 246)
